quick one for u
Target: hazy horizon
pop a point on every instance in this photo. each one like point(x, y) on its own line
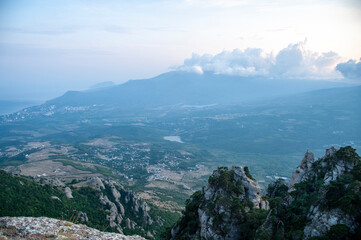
point(48, 48)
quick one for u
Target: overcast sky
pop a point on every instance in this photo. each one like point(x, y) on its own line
point(48, 47)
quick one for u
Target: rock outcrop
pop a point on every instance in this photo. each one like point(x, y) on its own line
point(322, 201)
point(323, 195)
point(116, 199)
point(95, 183)
point(331, 210)
point(68, 193)
point(322, 221)
point(221, 208)
point(83, 217)
point(49, 228)
point(302, 170)
point(97, 202)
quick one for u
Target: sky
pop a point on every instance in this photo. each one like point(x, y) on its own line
point(48, 47)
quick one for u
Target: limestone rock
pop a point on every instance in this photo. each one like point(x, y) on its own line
point(49, 228)
point(55, 198)
point(217, 216)
point(149, 235)
point(68, 192)
point(302, 170)
point(323, 220)
point(122, 200)
point(130, 224)
point(83, 217)
point(219, 210)
point(115, 193)
point(121, 208)
point(95, 183)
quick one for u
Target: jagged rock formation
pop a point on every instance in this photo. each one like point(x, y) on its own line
point(321, 202)
point(83, 217)
point(220, 209)
point(331, 170)
point(301, 171)
point(125, 210)
point(95, 183)
point(96, 202)
point(49, 228)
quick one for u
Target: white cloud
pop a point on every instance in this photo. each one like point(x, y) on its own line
point(350, 69)
point(294, 61)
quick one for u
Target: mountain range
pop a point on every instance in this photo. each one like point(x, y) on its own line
point(161, 138)
point(186, 88)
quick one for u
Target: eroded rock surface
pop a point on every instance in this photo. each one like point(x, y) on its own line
point(321, 200)
point(223, 205)
point(49, 228)
point(68, 192)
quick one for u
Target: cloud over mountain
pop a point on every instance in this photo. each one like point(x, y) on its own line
point(350, 69)
point(294, 61)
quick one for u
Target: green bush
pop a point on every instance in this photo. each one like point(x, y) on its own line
point(248, 174)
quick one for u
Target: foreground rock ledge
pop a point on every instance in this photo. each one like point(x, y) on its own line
point(49, 228)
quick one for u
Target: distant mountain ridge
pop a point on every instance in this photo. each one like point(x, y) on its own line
point(174, 88)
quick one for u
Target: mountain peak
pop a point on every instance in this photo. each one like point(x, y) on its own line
point(220, 209)
point(322, 202)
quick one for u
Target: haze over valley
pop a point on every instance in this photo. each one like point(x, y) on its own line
point(136, 126)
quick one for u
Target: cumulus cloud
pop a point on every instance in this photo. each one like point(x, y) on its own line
point(252, 61)
point(350, 69)
point(294, 61)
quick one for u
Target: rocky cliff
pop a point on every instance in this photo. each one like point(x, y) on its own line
point(126, 211)
point(96, 202)
point(322, 201)
point(221, 209)
point(49, 228)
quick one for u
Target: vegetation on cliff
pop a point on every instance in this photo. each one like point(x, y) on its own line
point(323, 202)
point(21, 196)
point(230, 206)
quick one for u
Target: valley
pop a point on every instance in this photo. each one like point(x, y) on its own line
point(163, 153)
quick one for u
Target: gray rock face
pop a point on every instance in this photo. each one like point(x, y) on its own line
point(55, 198)
point(95, 183)
point(339, 167)
point(330, 151)
point(333, 167)
point(150, 235)
point(83, 217)
point(49, 228)
point(302, 170)
point(130, 224)
point(68, 192)
point(322, 220)
point(251, 188)
point(117, 214)
point(315, 205)
point(114, 218)
point(217, 217)
point(305, 170)
point(115, 193)
point(139, 207)
point(121, 208)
